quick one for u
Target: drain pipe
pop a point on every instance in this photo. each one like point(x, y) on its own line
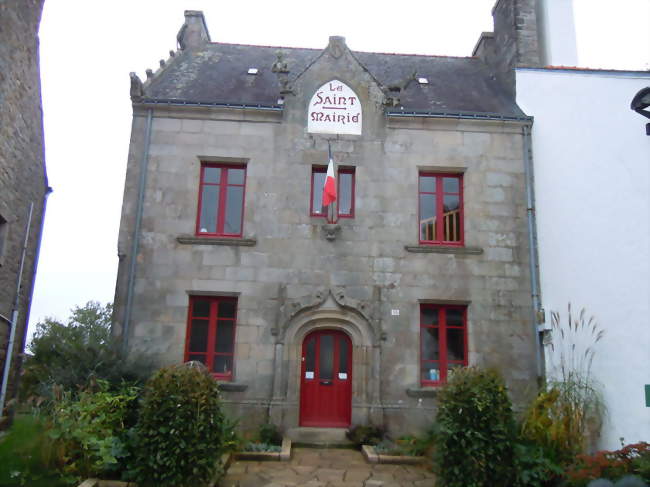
point(136, 232)
point(532, 245)
point(14, 315)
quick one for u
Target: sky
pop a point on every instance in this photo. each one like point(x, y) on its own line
point(88, 49)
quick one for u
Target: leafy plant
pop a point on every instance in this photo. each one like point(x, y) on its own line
point(611, 465)
point(533, 467)
point(90, 432)
point(270, 434)
point(179, 432)
point(261, 447)
point(26, 456)
point(365, 435)
point(69, 356)
point(569, 409)
point(475, 439)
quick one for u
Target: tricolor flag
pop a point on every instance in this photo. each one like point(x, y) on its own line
point(329, 189)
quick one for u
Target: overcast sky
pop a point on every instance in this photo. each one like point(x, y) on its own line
point(89, 48)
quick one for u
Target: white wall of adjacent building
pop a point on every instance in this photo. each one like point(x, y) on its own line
point(592, 182)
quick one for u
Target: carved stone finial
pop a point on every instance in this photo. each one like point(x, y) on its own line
point(162, 63)
point(149, 73)
point(172, 53)
point(336, 46)
point(280, 65)
point(136, 87)
point(194, 31)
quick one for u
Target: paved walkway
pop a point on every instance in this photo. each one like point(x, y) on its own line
point(325, 468)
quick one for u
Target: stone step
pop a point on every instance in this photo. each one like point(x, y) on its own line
point(303, 436)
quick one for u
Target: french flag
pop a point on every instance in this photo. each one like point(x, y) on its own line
point(329, 189)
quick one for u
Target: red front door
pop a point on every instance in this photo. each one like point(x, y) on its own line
point(326, 379)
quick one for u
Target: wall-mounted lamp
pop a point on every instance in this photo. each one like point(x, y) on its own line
point(640, 102)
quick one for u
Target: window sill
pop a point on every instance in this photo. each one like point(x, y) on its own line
point(235, 241)
point(232, 386)
point(443, 249)
point(431, 391)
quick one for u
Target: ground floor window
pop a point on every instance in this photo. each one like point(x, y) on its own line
point(211, 333)
point(443, 341)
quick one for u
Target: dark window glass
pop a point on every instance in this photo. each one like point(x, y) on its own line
point(343, 355)
point(440, 206)
point(450, 185)
point(199, 336)
point(428, 315)
point(430, 371)
point(209, 209)
point(345, 193)
point(310, 358)
point(427, 184)
point(196, 358)
point(236, 176)
point(222, 364)
point(225, 336)
point(430, 344)
point(211, 175)
point(201, 308)
point(227, 309)
point(455, 344)
point(234, 206)
point(318, 181)
point(428, 230)
point(326, 359)
point(454, 317)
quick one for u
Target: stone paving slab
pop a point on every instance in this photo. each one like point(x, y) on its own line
point(320, 467)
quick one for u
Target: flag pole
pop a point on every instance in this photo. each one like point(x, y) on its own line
point(330, 208)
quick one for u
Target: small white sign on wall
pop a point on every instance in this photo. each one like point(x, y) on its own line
point(334, 109)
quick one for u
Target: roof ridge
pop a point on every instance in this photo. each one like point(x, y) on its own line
point(260, 45)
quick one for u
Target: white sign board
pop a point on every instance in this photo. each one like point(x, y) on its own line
point(334, 109)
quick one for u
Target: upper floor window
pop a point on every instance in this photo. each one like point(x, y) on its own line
point(345, 191)
point(440, 208)
point(221, 200)
point(211, 333)
point(443, 341)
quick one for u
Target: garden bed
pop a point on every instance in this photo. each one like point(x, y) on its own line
point(283, 455)
point(372, 456)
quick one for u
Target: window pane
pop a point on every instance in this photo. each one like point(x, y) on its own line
point(343, 355)
point(428, 217)
point(236, 176)
point(451, 219)
point(427, 184)
point(222, 364)
point(450, 185)
point(318, 181)
point(451, 202)
point(345, 193)
point(455, 344)
point(234, 205)
point(197, 358)
point(430, 371)
point(211, 174)
point(430, 345)
point(209, 208)
point(227, 309)
point(225, 334)
point(326, 357)
point(310, 358)
point(199, 336)
point(454, 317)
point(428, 315)
point(201, 308)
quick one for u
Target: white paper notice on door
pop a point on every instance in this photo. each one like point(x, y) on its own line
point(343, 375)
point(309, 375)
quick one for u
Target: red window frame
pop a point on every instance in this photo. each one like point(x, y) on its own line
point(443, 222)
point(340, 170)
point(223, 185)
point(213, 319)
point(443, 362)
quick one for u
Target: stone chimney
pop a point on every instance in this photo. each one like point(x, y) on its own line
point(194, 32)
point(514, 41)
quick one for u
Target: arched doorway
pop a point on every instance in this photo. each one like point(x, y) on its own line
point(326, 379)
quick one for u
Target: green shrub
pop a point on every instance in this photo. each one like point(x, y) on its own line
point(179, 432)
point(474, 444)
point(612, 465)
point(91, 431)
point(26, 456)
point(534, 468)
point(365, 435)
point(69, 356)
point(270, 434)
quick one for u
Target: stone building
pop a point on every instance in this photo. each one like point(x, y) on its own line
point(23, 181)
point(312, 316)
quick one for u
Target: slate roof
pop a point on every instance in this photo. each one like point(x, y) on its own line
point(217, 74)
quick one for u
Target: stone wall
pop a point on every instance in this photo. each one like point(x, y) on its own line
point(22, 162)
point(290, 279)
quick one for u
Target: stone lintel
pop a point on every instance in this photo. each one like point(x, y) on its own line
point(443, 249)
point(233, 241)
